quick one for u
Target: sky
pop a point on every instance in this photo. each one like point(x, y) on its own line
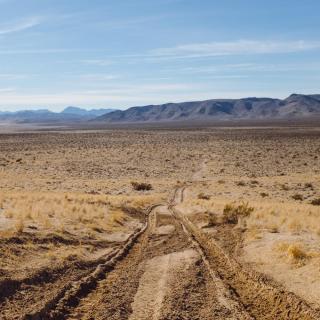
point(112, 53)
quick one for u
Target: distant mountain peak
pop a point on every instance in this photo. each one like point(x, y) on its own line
point(73, 110)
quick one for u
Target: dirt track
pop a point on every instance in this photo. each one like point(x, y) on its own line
point(168, 270)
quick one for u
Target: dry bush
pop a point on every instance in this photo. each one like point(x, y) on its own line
point(141, 186)
point(203, 196)
point(264, 194)
point(284, 187)
point(308, 185)
point(232, 212)
point(315, 202)
point(297, 196)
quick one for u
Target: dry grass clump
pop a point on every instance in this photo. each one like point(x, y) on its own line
point(19, 226)
point(285, 217)
point(69, 212)
point(295, 252)
point(232, 212)
point(141, 186)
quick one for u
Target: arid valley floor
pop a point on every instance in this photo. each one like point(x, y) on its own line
point(211, 223)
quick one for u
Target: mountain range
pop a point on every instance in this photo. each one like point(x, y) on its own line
point(295, 106)
point(69, 114)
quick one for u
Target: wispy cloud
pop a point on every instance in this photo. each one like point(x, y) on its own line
point(239, 47)
point(134, 22)
point(98, 62)
point(14, 76)
point(97, 77)
point(19, 25)
point(245, 67)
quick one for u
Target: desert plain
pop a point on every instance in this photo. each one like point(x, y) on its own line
point(165, 223)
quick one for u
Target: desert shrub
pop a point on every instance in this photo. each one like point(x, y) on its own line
point(316, 202)
point(264, 194)
point(297, 197)
point(240, 183)
point(309, 185)
point(232, 212)
point(203, 196)
point(141, 186)
point(285, 187)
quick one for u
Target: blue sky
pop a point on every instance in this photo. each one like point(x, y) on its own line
point(112, 53)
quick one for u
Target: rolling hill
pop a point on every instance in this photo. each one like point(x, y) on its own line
point(295, 106)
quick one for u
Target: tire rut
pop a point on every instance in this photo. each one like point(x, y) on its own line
point(262, 298)
point(34, 298)
point(24, 296)
point(177, 290)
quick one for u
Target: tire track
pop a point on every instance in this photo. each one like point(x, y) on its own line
point(35, 297)
point(262, 298)
point(161, 278)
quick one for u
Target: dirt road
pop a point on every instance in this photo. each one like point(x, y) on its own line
point(169, 269)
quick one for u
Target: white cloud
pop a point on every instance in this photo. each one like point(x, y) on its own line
point(19, 25)
point(239, 47)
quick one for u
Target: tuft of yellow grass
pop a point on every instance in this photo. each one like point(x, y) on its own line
point(295, 252)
